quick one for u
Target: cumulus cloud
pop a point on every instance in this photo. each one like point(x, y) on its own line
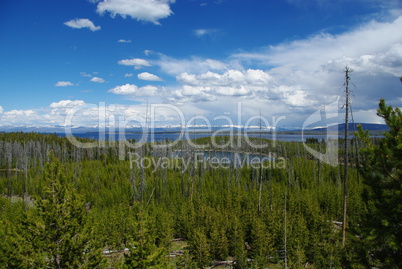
point(76, 109)
point(312, 68)
point(82, 23)
point(372, 38)
point(63, 84)
point(128, 75)
point(231, 83)
point(1, 110)
point(291, 79)
point(142, 10)
point(231, 86)
point(25, 113)
point(67, 103)
point(77, 113)
point(384, 62)
point(124, 41)
point(190, 94)
point(98, 80)
point(133, 90)
point(136, 62)
point(193, 65)
point(250, 77)
point(149, 77)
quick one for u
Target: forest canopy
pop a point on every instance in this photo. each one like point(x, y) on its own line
point(65, 207)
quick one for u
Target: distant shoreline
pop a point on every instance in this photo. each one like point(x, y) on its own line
point(308, 132)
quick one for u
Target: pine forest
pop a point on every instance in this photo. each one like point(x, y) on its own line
point(160, 206)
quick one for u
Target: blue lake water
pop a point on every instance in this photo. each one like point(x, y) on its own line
point(173, 136)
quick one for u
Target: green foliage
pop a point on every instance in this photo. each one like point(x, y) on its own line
point(186, 261)
point(15, 252)
point(143, 251)
point(382, 171)
point(55, 229)
point(200, 248)
point(222, 214)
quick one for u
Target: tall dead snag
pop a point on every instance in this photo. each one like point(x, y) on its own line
point(346, 158)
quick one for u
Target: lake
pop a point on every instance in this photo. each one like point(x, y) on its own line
point(172, 136)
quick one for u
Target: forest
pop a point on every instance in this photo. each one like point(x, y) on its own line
point(63, 206)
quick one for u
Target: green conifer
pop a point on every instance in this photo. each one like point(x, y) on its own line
point(382, 171)
point(56, 227)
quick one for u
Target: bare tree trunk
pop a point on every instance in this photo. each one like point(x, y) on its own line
point(346, 160)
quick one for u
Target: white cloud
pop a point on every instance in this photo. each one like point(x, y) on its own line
point(126, 89)
point(82, 23)
point(229, 86)
point(250, 77)
point(86, 115)
point(190, 94)
point(204, 32)
point(98, 80)
point(148, 90)
point(124, 41)
point(149, 77)
point(133, 90)
point(291, 79)
point(25, 113)
point(298, 98)
point(308, 54)
point(84, 74)
point(1, 110)
point(136, 62)
point(195, 65)
point(63, 84)
point(150, 52)
point(67, 103)
point(312, 68)
point(384, 62)
point(128, 75)
point(231, 83)
point(142, 10)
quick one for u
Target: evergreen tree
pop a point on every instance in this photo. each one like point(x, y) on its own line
point(56, 227)
point(382, 171)
point(143, 251)
point(15, 251)
point(200, 248)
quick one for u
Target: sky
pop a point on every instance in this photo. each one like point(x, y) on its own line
point(120, 63)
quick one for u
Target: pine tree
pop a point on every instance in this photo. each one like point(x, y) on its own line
point(200, 248)
point(143, 251)
point(15, 250)
point(56, 228)
point(382, 171)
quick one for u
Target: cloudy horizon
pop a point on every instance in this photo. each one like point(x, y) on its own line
point(282, 61)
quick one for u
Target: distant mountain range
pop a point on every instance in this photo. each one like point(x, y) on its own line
point(353, 127)
point(372, 127)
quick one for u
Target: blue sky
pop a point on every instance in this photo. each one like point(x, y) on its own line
point(216, 59)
